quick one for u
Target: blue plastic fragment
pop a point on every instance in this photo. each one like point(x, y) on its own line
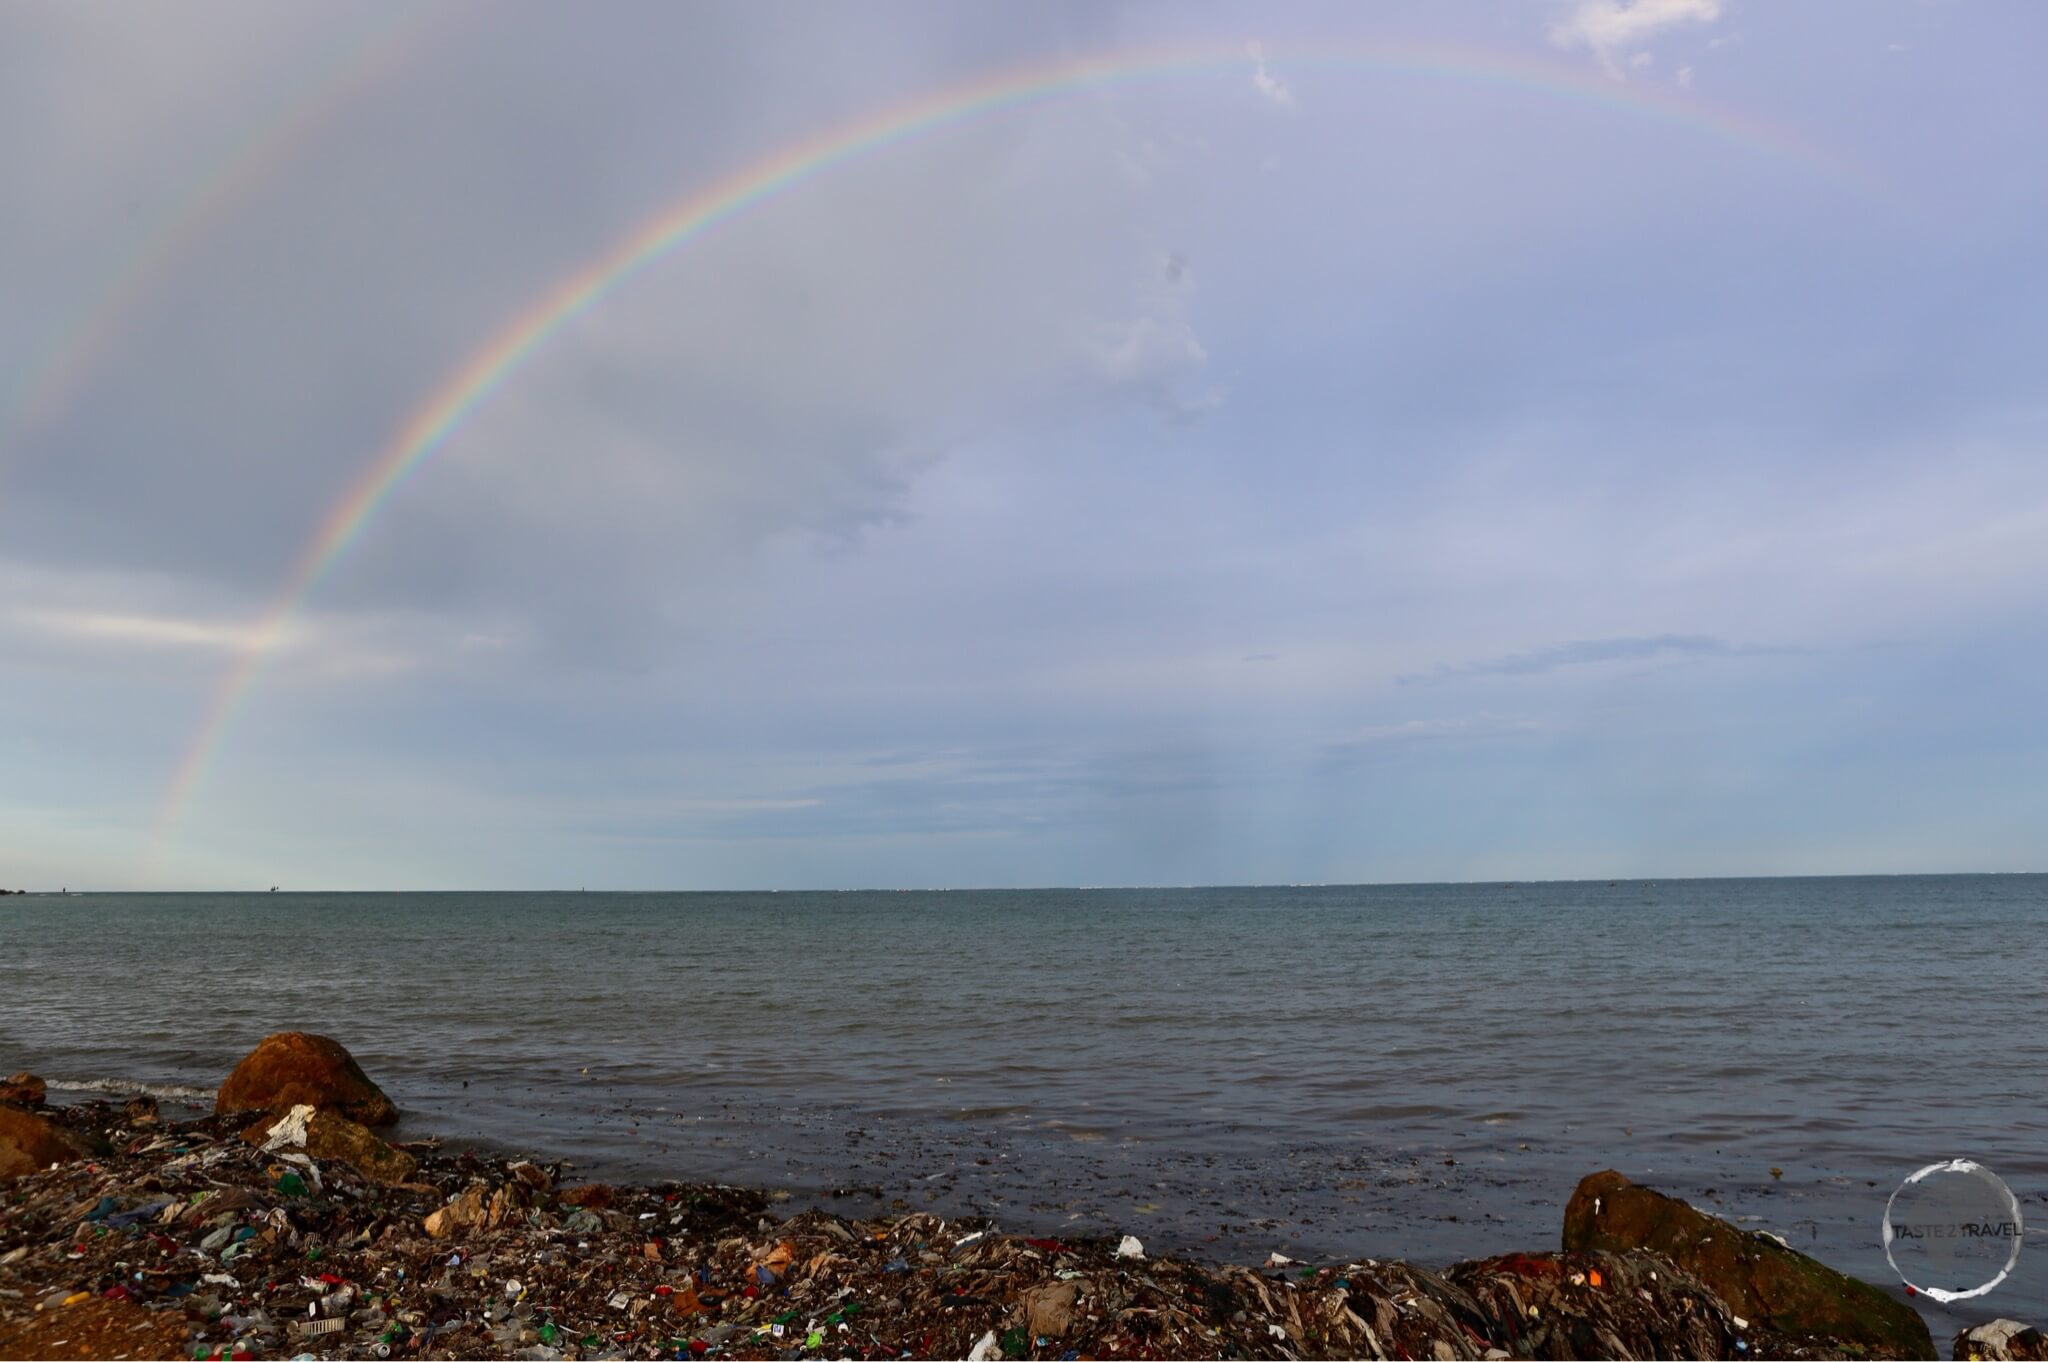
point(139, 1213)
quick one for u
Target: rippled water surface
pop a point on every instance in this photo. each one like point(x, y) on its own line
point(1413, 1071)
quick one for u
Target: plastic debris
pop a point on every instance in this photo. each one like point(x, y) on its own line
point(290, 1130)
point(187, 1226)
point(2002, 1340)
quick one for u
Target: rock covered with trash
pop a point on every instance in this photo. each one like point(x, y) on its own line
point(2002, 1340)
point(23, 1089)
point(259, 1236)
point(294, 1068)
point(327, 1136)
point(1760, 1277)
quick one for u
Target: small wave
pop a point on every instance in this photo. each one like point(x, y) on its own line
point(988, 1113)
point(174, 1092)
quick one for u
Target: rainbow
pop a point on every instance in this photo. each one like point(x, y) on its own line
point(451, 404)
point(49, 385)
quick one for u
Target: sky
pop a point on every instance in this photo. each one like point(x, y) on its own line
point(1292, 443)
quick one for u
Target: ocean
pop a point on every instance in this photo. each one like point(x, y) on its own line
point(1419, 1071)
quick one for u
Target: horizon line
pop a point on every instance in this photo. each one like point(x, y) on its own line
point(1604, 880)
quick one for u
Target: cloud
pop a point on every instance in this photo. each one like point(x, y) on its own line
point(1586, 652)
point(797, 378)
point(1266, 83)
point(1412, 732)
point(324, 650)
point(1154, 357)
point(1148, 358)
point(1616, 30)
point(997, 792)
point(146, 631)
point(153, 630)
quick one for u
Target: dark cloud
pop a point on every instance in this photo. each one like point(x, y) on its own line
point(792, 372)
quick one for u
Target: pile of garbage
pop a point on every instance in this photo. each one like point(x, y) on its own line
point(300, 1233)
point(265, 1252)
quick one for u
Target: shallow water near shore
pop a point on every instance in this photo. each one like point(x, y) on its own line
point(1401, 1071)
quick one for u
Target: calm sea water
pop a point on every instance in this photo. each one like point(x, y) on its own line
point(1418, 1071)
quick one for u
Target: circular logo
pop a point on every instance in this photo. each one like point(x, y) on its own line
point(1952, 1230)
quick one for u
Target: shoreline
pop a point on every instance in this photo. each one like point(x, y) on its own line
point(476, 1255)
point(1372, 1203)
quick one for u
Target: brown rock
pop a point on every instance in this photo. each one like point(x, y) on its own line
point(2002, 1340)
point(336, 1137)
point(23, 1089)
point(294, 1067)
point(1761, 1279)
point(29, 1144)
point(141, 1111)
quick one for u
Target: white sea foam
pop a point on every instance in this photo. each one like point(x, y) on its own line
point(123, 1087)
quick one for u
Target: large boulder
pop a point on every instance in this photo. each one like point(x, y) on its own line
point(24, 1089)
point(293, 1068)
point(1761, 1279)
point(29, 1144)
